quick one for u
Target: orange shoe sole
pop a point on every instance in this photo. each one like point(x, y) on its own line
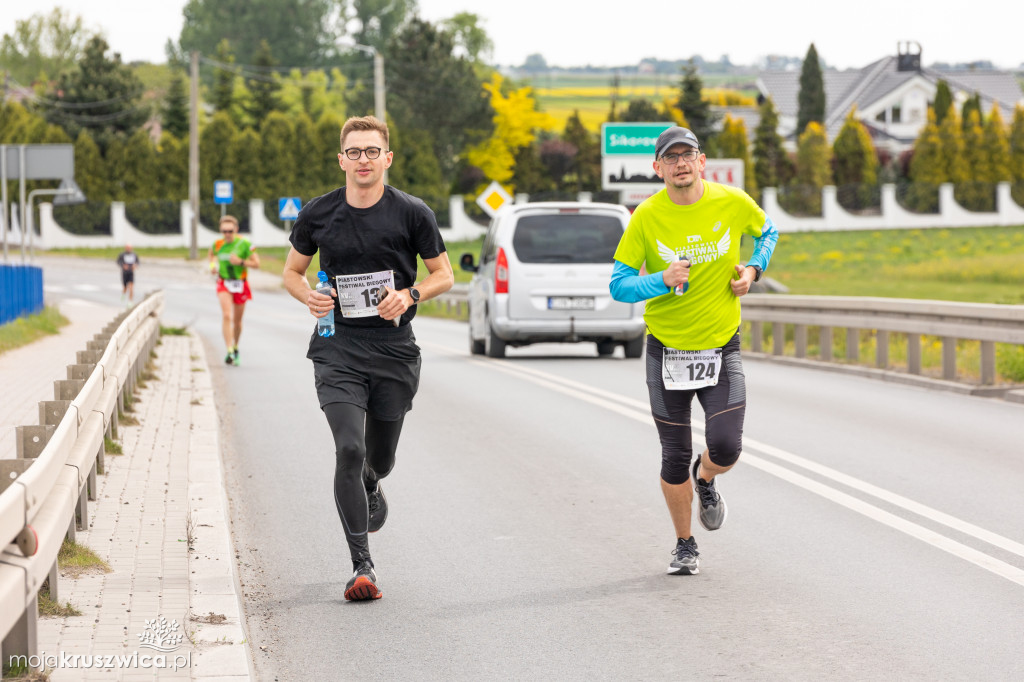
point(363, 589)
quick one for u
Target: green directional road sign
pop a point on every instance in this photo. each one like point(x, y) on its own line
point(631, 138)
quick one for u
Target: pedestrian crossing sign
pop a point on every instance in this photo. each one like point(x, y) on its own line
point(288, 208)
point(493, 198)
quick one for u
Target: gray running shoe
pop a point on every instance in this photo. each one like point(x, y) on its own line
point(712, 507)
point(378, 505)
point(686, 561)
point(363, 585)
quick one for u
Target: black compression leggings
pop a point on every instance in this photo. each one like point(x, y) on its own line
point(365, 451)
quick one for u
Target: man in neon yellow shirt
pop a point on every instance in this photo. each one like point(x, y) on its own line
point(688, 236)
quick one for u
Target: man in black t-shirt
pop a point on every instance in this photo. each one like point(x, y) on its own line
point(128, 260)
point(369, 236)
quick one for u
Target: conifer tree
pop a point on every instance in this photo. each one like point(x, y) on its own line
point(223, 95)
point(304, 151)
point(771, 165)
point(972, 103)
point(328, 145)
point(1017, 154)
point(176, 106)
point(975, 193)
point(90, 171)
point(996, 146)
point(214, 143)
point(813, 168)
point(587, 165)
point(943, 101)
point(172, 159)
point(926, 168)
point(732, 144)
point(695, 108)
point(263, 85)
point(278, 136)
point(856, 163)
point(247, 162)
point(139, 180)
point(811, 99)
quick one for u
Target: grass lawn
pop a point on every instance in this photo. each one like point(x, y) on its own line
point(26, 329)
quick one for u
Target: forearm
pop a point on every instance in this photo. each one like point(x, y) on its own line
point(629, 286)
point(436, 283)
point(764, 246)
point(296, 285)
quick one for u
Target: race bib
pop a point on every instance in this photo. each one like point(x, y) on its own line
point(687, 370)
point(235, 286)
point(360, 294)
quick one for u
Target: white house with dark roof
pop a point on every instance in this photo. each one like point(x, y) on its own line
point(892, 96)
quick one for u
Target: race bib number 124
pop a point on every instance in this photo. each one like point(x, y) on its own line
point(688, 370)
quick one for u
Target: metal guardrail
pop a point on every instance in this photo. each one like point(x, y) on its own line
point(987, 323)
point(44, 493)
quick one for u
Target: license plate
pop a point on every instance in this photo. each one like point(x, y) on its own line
point(570, 303)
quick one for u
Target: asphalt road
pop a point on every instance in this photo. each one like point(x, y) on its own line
point(875, 530)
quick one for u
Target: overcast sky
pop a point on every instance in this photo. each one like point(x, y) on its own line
point(607, 33)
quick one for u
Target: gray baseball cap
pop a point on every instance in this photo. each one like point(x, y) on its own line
point(674, 135)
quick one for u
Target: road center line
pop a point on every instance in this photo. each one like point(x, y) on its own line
point(640, 411)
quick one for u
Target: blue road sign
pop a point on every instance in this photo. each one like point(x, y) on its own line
point(288, 208)
point(223, 191)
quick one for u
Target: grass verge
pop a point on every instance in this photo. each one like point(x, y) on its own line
point(75, 559)
point(28, 328)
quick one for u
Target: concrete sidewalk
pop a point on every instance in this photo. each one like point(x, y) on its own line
point(160, 520)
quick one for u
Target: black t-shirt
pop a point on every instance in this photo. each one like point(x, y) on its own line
point(352, 241)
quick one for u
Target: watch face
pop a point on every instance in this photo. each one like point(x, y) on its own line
point(414, 292)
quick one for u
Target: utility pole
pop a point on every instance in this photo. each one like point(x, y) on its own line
point(193, 156)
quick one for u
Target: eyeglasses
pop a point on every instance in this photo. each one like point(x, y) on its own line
point(672, 159)
point(353, 153)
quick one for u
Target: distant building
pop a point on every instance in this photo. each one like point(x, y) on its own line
point(892, 96)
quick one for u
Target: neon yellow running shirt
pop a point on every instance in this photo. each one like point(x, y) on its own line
point(709, 232)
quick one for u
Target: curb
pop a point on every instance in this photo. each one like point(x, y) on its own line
point(216, 623)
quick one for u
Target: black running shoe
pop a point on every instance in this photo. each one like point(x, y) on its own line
point(712, 506)
point(363, 585)
point(229, 359)
point(686, 561)
point(378, 505)
point(234, 356)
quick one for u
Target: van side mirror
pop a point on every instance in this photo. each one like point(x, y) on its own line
point(466, 263)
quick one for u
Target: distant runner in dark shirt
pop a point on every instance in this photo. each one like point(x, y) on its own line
point(128, 260)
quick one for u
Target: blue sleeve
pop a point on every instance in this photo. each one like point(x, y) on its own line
point(629, 287)
point(764, 245)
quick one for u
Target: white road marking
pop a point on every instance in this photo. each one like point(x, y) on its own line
point(640, 411)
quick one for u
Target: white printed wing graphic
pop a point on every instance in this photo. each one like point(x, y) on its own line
point(724, 243)
point(667, 254)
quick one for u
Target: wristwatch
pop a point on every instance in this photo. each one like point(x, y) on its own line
point(415, 293)
point(757, 272)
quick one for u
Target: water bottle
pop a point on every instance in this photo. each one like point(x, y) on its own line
point(680, 290)
point(325, 324)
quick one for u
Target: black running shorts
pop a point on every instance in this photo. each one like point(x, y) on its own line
point(376, 368)
point(725, 405)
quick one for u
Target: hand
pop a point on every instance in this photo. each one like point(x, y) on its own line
point(742, 285)
point(320, 304)
point(235, 260)
point(394, 303)
point(676, 274)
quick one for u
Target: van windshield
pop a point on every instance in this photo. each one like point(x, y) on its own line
point(567, 238)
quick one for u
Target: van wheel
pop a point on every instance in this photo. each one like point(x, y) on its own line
point(605, 348)
point(493, 346)
point(476, 347)
point(634, 348)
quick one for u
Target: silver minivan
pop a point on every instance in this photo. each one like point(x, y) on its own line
point(543, 276)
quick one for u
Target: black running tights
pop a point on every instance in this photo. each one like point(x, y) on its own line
point(365, 452)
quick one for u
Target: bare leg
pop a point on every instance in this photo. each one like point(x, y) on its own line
point(226, 323)
point(239, 310)
point(679, 499)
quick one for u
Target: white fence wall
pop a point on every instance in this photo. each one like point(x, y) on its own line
point(462, 228)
